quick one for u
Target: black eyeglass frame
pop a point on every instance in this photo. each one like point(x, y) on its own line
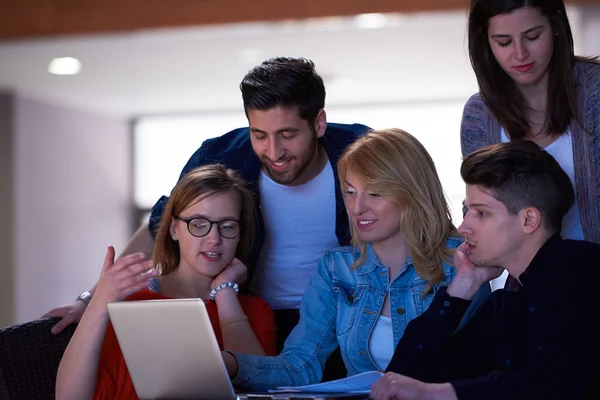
point(189, 220)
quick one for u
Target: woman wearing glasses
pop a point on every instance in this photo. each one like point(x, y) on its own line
point(199, 251)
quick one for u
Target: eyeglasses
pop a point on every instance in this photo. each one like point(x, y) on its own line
point(200, 227)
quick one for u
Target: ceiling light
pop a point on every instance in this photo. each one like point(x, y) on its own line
point(371, 21)
point(64, 66)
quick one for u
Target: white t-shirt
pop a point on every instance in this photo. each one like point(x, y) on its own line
point(562, 150)
point(299, 228)
point(381, 342)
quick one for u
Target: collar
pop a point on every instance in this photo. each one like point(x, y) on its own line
point(372, 262)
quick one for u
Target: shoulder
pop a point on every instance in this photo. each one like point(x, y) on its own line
point(227, 148)
point(337, 261)
point(580, 252)
point(341, 135)
point(346, 130)
point(473, 114)
point(474, 107)
point(586, 77)
point(342, 253)
point(473, 130)
point(588, 72)
point(576, 264)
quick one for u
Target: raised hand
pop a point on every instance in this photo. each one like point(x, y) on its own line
point(464, 266)
point(236, 272)
point(122, 278)
point(469, 277)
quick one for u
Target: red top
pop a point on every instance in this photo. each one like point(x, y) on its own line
point(114, 381)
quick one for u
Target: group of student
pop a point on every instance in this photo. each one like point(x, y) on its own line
point(342, 236)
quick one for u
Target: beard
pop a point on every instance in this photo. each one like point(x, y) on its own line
point(294, 171)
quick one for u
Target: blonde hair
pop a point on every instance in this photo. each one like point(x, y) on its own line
point(202, 182)
point(395, 165)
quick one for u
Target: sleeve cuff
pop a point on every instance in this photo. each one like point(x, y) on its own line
point(448, 307)
point(246, 368)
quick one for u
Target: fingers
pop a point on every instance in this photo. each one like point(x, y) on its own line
point(125, 278)
point(462, 258)
point(134, 288)
point(139, 274)
point(57, 312)
point(70, 314)
point(464, 248)
point(384, 389)
point(62, 324)
point(109, 258)
point(129, 260)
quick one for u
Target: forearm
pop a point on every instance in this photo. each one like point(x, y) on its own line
point(440, 391)
point(78, 370)
point(235, 327)
point(141, 242)
point(463, 287)
point(423, 346)
point(547, 381)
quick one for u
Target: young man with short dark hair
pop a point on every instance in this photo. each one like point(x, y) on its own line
point(537, 341)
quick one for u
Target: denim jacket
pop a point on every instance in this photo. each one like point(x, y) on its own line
point(340, 307)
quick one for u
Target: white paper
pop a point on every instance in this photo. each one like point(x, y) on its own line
point(360, 383)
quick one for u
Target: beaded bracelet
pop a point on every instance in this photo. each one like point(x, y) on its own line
point(222, 286)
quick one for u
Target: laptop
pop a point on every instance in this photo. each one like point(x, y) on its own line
point(170, 350)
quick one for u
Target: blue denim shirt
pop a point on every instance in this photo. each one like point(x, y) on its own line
point(340, 307)
point(234, 150)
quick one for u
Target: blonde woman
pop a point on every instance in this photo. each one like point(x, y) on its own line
point(363, 296)
point(202, 242)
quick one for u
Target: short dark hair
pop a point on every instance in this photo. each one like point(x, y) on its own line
point(520, 174)
point(497, 89)
point(284, 82)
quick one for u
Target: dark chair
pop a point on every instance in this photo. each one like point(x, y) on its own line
point(29, 359)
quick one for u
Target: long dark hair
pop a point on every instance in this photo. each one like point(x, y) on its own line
point(498, 90)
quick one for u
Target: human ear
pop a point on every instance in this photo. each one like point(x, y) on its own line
point(321, 123)
point(532, 219)
point(173, 229)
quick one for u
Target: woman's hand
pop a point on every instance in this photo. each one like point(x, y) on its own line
point(236, 272)
point(120, 279)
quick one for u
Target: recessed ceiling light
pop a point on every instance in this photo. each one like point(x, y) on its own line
point(64, 66)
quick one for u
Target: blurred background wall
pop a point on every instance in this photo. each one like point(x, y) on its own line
point(83, 157)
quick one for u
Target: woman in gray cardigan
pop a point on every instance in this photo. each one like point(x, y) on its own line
point(533, 87)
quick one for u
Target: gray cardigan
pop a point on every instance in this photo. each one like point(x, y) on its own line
point(479, 128)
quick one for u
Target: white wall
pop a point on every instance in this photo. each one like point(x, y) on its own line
point(71, 198)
